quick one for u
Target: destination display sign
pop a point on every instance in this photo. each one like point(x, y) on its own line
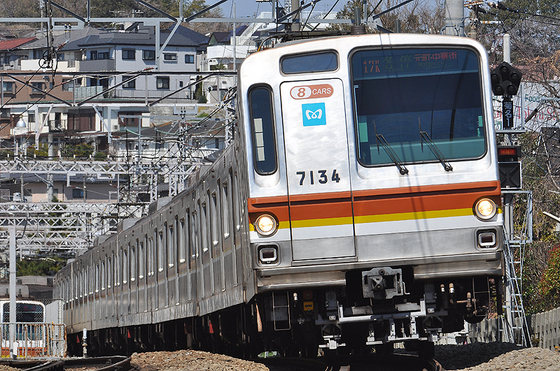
point(385, 63)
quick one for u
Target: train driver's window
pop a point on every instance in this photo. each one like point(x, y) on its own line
point(262, 127)
point(408, 101)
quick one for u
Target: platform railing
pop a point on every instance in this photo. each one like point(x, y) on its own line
point(33, 340)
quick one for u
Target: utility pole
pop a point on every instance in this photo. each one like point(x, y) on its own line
point(454, 18)
point(12, 288)
point(297, 17)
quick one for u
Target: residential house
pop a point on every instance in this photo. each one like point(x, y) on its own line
point(11, 52)
point(88, 62)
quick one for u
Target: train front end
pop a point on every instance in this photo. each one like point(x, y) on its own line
point(374, 196)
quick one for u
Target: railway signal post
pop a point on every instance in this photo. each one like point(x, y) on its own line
point(505, 82)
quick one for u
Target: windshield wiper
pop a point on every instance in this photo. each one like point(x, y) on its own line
point(396, 160)
point(435, 150)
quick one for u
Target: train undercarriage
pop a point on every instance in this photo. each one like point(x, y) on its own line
point(375, 310)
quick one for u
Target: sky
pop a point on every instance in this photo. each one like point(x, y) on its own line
point(248, 8)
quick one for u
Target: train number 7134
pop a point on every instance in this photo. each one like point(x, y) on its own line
point(320, 176)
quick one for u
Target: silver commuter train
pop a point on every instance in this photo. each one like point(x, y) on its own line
point(359, 206)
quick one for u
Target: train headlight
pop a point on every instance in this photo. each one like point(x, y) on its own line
point(266, 225)
point(485, 209)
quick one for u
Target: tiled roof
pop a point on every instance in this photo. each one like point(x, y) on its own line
point(59, 40)
point(12, 44)
point(144, 37)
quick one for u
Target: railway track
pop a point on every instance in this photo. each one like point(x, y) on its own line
point(113, 363)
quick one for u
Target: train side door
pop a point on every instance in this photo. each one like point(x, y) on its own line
point(317, 167)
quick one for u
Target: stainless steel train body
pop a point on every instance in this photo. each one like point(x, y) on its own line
point(359, 206)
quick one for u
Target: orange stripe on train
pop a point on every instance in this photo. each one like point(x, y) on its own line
point(425, 199)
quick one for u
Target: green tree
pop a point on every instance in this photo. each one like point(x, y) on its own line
point(42, 267)
point(192, 7)
point(550, 283)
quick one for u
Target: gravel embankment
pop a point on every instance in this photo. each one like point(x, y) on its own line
point(496, 357)
point(470, 357)
point(191, 360)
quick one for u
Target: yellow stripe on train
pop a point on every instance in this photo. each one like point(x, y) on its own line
point(415, 215)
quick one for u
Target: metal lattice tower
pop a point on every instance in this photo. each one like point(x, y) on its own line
point(71, 227)
point(516, 327)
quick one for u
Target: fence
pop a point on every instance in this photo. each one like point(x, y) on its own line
point(544, 330)
point(33, 340)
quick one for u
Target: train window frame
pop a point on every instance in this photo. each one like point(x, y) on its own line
point(183, 238)
point(225, 206)
point(109, 272)
point(91, 282)
point(22, 312)
point(80, 283)
point(235, 201)
point(194, 240)
point(103, 272)
point(97, 272)
point(264, 143)
point(309, 62)
point(170, 246)
point(204, 232)
point(125, 266)
point(215, 226)
point(360, 127)
point(160, 251)
point(133, 261)
point(142, 258)
point(116, 266)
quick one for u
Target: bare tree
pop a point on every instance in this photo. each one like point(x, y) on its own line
point(418, 16)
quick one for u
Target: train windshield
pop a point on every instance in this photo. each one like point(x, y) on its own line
point(25, 312)
point(412, 103)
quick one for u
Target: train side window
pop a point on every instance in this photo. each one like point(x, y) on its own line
point(97, 277)
point(309, 63)
point(194, 240)
point(133, 262)
point(160, 250)
point(141, 259)
point(235, 193)
point(204, 233)
point(85, 277)
point(83, 280)
point(151, 257)
point(80, 281)
point(182, 239)
point(116, 265)
point(170, 246)
point(215, 229)
point(91, 280)
point(125, 267)
point(225, 204)
point(109, 273)
point(263, 130)
point(116, 270)
point(103, 275)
